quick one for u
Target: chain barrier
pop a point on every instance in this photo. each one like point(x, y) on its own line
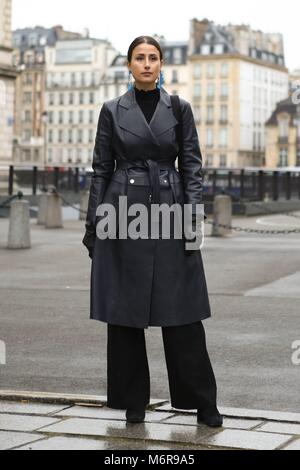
point(230, 227)
point(254, 230)
point(54, 190)
point(4, 204)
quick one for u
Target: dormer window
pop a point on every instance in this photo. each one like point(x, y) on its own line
point(219, 49)
point(205, 49)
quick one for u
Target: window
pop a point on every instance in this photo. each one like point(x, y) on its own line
point(210, 71)
point(61, 98)
point(205, 49)
point(79, 136)
point(209, 137)
point(91, 117)
point(91, 136)
point(174, 78)
point(283, 158)
point(177, 55)
point(50, 155)
point(50, 136)
point(71, 98)
point(27, 97)
point(27, 135)
point(224, 70)
point(71, 117)
point(73, 79)
point(210, 160)
point(283, 123)
point(27, 116)
point(219, 49)
point(197, 71)
point(60, 136)
point(61, 117)
point(224, 90)
point(80, 117)
point(210, 90)
point(224, 113)
point(51, 99)
point(223, 161)
point(223, 138)
point(70, 136)
point(33, 40)
point(197, 90)
point(209, 114)
point(91, 97)
point(81, 98)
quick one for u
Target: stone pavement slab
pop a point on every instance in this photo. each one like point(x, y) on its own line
point(149, 431)
point(10, 422)
point(228, 423)
point(29, 408)
point(10, 439)
point(98, 427)
point(108, 413)
point(295, 445)
point(247, 440)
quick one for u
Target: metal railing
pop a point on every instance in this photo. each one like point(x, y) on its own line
point(242, 184)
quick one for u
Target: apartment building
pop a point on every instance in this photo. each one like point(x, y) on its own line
point(75, 70)
point(29, 57)
point(8, 76)
point(283, 134)
point(236, 78)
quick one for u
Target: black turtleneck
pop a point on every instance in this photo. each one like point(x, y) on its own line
point(147, 100)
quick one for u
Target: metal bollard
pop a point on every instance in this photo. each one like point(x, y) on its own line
point(54, 211)
point(222, 214)
point(84, 200)
point(19, 225)
point(42, 211)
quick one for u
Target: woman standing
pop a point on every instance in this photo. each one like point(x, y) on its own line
point(141, 282)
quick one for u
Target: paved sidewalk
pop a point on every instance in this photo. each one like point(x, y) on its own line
point(48, 421)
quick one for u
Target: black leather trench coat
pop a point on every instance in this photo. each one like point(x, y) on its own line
point(145, 282)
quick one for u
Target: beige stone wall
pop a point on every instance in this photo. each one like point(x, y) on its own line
point(6, 84)
point(6, 131)
point(5, 23)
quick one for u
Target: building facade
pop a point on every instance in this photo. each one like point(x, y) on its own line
point(29, 57)
point(74, 73)
point(283, 134)
point(236, 78)
point(8, 76)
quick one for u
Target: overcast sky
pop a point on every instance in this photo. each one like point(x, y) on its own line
point(120, 21)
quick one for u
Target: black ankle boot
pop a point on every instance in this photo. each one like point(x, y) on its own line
point(213, 419)
point(135, 415)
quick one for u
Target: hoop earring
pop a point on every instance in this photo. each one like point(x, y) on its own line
point(130, 83)
point(160, 80)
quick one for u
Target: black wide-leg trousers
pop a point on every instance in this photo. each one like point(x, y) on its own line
point(192, 382)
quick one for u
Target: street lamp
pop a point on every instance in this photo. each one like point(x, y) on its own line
point(45, 122)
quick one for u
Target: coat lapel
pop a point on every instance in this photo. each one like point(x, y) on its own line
point(132, 118)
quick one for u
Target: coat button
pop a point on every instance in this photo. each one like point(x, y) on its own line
point(132, 181)
point(165, 181)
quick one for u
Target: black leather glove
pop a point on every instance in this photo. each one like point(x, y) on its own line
point(89, 238)
point(186, 240)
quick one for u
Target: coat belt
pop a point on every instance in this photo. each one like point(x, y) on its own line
point(154, 167)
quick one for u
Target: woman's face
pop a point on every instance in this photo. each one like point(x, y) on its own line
point(145, 58)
